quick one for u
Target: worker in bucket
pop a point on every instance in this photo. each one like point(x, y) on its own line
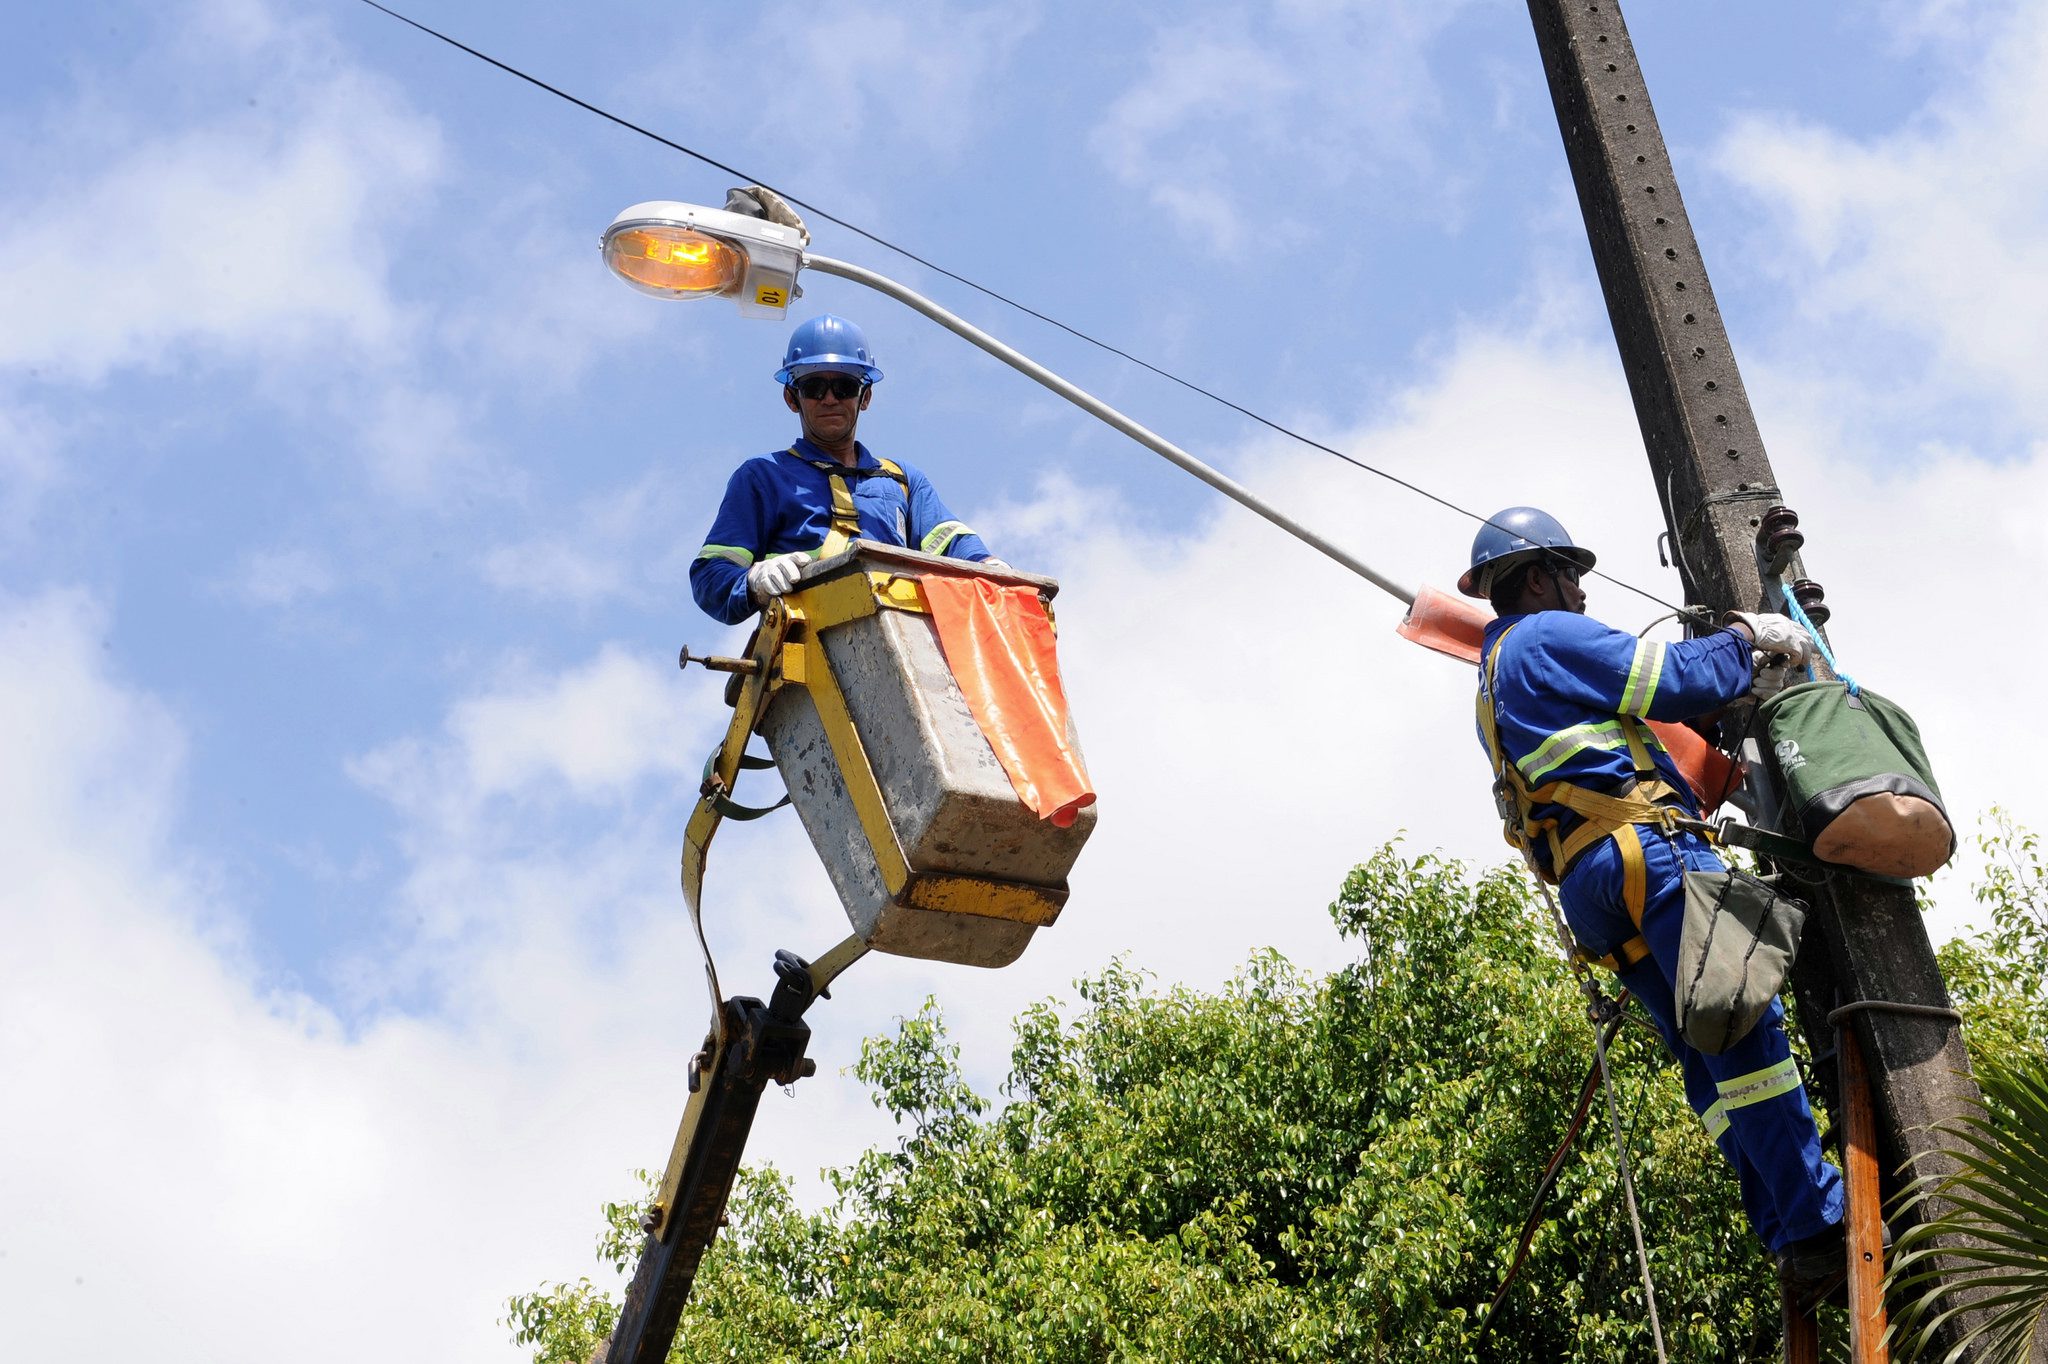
point(783, 510)
point(1589, 795)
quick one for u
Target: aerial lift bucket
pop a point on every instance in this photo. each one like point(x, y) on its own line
point(917, 819)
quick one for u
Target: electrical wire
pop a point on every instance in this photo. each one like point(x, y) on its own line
point(983, 289)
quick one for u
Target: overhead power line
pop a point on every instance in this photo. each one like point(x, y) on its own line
point(905, 252)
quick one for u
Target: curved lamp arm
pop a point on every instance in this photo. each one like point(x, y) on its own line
point(1095, 407)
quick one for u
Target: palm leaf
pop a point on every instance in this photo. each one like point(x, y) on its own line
point(1985, 1252)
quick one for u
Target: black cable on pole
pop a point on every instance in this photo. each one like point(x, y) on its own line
point(983, 289)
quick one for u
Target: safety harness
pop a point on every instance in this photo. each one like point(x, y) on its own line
point(1647, 800)
point(845, 518)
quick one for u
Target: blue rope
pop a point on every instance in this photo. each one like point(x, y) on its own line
point(1792, 610)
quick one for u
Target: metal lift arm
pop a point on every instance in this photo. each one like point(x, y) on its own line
point(763, 1042)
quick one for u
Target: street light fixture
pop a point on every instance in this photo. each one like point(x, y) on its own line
point(677, 250)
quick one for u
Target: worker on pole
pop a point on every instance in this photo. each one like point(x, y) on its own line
point(782, 510)
point(1589, 794)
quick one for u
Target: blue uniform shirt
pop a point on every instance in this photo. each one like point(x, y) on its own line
point(782, 503)
point(1564, 680)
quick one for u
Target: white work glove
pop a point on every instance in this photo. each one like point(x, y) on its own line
point(1768, 678)
point(773, 577)
point(1774, 634)
point(991, 562)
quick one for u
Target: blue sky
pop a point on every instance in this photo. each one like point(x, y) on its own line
point(346, 503)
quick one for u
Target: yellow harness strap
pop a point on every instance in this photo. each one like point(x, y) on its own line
point(1603, 816)
point(845, 518)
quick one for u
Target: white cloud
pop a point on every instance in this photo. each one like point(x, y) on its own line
point(597, 729)
point(615, 545)
point(250, 235)
point(544, 312)
point(882, 67)
point(1929, 232)
point(174, 1122)
point(1333, 96)
point(282, 578)
point(419, 447)
point(592, 733)
point(29, 467)
point(850, 91)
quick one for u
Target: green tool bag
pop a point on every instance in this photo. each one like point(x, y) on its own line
point(1737, 943)
point(1856, 780)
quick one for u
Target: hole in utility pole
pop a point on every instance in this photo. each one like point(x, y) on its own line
point(1670, 252)
point(1631, 127)
point(1734, 453)
point(1618, 99)
point(1612, 67)
point(1711, 385)
point(1680, 286)
point(1699, 352)
point(1689, 317)
point(1720, 419)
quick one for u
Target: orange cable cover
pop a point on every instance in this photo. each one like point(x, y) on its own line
point(999, 643)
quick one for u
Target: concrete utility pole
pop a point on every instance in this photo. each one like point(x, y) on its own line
point(1866, 939)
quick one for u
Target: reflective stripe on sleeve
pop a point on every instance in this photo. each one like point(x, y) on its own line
point(1715, 1119)
point(945, 533)
point(743, 557)
point(1643, 676)
point(1758, 1085)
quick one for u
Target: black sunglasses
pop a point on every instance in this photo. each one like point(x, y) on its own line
point(841, 386)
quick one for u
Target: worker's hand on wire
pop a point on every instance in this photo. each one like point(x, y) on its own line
point(773, 577)
point(1773, 634)
point(1770, 677)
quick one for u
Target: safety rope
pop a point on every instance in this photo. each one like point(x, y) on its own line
point(1599, 1011)
point(1793, 610)
point(1580, 1113)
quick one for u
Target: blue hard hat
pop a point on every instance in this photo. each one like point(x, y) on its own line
point(1515, 536)
point(831, 344)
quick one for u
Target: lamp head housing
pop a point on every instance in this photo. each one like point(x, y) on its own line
point(676, 250)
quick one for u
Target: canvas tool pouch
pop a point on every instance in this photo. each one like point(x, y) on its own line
point(1856, 779)
point(1737, 943)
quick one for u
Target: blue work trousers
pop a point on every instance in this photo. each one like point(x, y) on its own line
point(1749, 1096)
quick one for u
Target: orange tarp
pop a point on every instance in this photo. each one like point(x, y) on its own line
point(1454, 626)
point(999, 643)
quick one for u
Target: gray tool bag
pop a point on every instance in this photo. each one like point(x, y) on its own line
point(1737, 943)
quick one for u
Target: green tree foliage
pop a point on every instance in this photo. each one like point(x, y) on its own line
point(1298, 1167)
point(1295, 1168)
point(1991, 1231)
point(1999, 978)
point(1990, 1227)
